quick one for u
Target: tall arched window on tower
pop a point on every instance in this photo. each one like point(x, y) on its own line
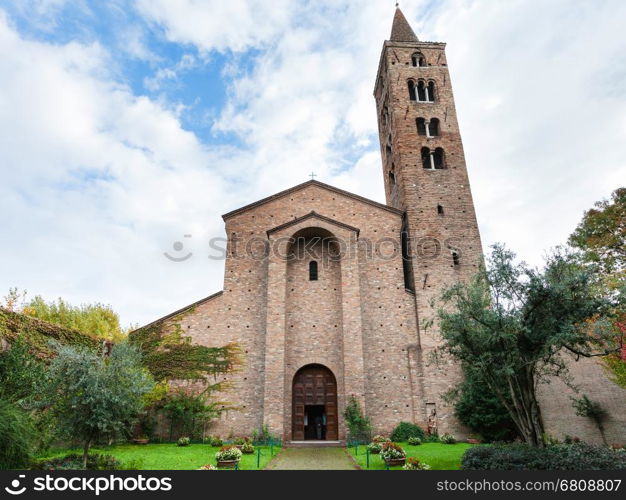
point(439, 158)
point(392, 175)
point(313, 271)
point(431, 91)
point(433, 127)
point(426, 160)
point(421, 126)
point(422, 92)
point(412, 91)
point(456, 258)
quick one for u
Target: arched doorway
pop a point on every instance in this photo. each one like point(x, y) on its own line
point(315, 404)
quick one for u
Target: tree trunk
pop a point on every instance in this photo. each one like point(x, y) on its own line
point(86, 453)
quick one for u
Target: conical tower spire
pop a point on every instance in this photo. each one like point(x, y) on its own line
point(401, 30)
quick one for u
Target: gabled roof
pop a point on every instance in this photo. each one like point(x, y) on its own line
point(304, 185)
point(401, 30)
point(316, 216)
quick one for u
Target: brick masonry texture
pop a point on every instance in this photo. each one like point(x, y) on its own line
point(358, 319)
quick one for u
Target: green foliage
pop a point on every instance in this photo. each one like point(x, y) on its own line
point(447, 438)
point(189, 412)
point(592, 410)
point(216, 442)
point(75, 462)
point(16, 437)
point(228, 453)
point(617, 368)
point(247, 448)
point(359, 426)
point(171, 356)
point(512, 324)
point(21, 373)
point(414, 441)
point(406, 430)
point(601, 236)
point(415, 464)
point(95, 396)
point(577, 456)
point(264, 436)
point(391, 451)
point(375, 447)
point(479, 408)
point(39, 334)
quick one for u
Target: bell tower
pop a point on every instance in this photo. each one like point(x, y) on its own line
point(426, 176)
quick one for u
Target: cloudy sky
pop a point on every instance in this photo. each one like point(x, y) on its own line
point(125, 125)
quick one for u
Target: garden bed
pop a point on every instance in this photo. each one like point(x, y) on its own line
point(439, 456)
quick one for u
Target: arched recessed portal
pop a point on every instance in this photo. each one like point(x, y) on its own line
point(315, 404)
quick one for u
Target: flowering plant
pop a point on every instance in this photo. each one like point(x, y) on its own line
point(208, 467)
point(447, 439)
point(391, 451)
point(184, 441)
point(228, 453)
point(415, 464)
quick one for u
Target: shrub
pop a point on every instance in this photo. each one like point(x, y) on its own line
point(391, 451)
point(447, 438)
point(184, 441)
point(228, 453)
point(380, 439)
point(216, 442)
point(75, 462)
point(247, 448)
point(415, 441)
point(405, 430)
point(415, 464)
point(263, 435)
point(578, 456)
point(16, 442)
point(241, 441)
point(359, 426)
point(208, 467)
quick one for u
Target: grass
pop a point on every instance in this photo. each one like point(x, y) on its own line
point(171, 457)
point(439, 456)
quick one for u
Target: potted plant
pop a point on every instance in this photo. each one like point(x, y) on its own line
point(474, 439)
point(228, 457)
point(247, 448)
point(415, 441)
point(392, 454)
point(142, 440)
point(377, 444)
point(447, 438)
point(184, 441)
point(208, 467)
point(216, 442)
point(415, 464)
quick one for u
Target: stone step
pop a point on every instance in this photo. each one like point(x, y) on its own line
point(314, 444)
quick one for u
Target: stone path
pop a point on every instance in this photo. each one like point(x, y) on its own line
point(312, 459)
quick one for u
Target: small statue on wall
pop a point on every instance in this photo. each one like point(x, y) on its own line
point(432, 422)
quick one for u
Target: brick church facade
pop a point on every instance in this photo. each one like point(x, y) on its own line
point(327, 293)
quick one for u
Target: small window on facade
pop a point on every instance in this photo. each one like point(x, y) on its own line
point(433, 127)
point(418, 60)
point(456, 258)
point(392, 178)
point(440, 209)
point(313, 274)
point(421, 126)
point(431, 92)
point(412, 91)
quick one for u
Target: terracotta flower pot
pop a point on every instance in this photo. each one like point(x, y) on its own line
point(227, 464)
point(395, 462)
point(141, 441)
point(473, 441)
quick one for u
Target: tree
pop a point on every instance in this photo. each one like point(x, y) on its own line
point(478, 407)
point(601, 236)
point(20, 372)
point(359, 426)
point(601, 240)
point(96, 397)
point(514, 324)
point(98, 320)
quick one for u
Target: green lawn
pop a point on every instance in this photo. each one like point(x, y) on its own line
point(170, 456)
point(439, 456)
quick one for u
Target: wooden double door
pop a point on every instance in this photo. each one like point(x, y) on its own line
point(315, 404)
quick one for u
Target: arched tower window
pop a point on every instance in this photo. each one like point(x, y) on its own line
point(439, 159)
point(440, 210)
point(426, 160)
point(392, 175)
point(422, 91)
point(418, 60)
point(412, 91)
point(421, 126)
point(431, 92)
point(456, 258)
point(433, 127)
point(313, 271)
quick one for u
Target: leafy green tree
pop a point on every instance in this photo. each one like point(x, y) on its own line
point(20, 372)
point(513, 325)
point(16, 437)
point(359, 426)
point(96, 397)
point(478, 407)
point(95, 319)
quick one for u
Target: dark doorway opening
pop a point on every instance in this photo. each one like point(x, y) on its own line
point(314, 423)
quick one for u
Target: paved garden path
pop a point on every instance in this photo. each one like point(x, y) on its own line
point(312, 459)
